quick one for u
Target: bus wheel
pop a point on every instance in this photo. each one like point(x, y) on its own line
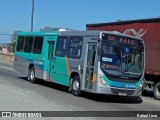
point(76, 86)
point(144, 92)
point(31, 75)
point(157, 90)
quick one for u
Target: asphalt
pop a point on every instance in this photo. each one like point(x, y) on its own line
point(18, 94)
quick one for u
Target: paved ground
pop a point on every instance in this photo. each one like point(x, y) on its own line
point(18, 94)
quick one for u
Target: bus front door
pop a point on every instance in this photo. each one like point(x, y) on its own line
point(90, 61)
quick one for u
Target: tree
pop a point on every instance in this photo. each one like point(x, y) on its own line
point(11, 46)
point(14, 36)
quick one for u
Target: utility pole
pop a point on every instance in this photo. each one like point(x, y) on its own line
point(32, 15)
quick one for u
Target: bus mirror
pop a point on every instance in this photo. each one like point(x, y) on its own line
point(99, 50)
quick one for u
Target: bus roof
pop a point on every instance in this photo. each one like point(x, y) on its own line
point(40, 33)
point(92, 33)
point(96, 33)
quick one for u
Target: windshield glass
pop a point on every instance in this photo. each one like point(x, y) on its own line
point(121, 61)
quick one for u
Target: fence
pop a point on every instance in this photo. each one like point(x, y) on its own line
point(6, 58)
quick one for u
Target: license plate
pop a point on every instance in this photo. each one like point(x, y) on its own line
point(122, 94)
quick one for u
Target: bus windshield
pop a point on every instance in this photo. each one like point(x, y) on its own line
point(122, 61)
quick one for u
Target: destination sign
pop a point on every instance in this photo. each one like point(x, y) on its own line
point(121, 39)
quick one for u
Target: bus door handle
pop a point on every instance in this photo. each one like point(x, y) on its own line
point(52, 66)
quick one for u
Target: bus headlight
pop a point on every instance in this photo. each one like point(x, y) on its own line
point(102, 80)
point(140, 85)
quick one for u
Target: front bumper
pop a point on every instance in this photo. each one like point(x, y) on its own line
point(105, 89)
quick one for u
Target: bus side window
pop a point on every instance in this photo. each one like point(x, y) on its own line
point(75, 47)
point(38, 43)
point(20, 43)
point(28, 44)
point(61, 46)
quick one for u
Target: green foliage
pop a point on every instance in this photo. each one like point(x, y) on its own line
point(11, 47)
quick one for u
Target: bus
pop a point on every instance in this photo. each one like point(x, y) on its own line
point(100, 62)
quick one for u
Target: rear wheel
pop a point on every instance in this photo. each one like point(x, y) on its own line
point(31, 75)
point(157, 90)
point(76, 86)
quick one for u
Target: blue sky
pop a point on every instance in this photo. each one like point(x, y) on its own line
point(75, 14)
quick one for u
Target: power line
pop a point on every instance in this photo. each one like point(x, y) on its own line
point(9, 30)
point(6, 34)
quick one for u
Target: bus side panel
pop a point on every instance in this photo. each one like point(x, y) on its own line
point(21, 64)
point(59, 73)
point(76, 66)
point(24, 60)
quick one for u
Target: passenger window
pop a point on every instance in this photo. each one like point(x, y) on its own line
point(28, 44)
point(61, 46)
point(20, 43)
point(75, 47)
point(38, 43)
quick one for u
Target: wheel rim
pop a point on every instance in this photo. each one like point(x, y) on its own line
point(76, 85)
point(32, 75)
point(158, 91)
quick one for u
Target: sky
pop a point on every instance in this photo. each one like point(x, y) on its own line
point(15, 15)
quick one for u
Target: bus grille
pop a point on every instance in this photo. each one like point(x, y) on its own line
point(117, 91)
point(123, 80)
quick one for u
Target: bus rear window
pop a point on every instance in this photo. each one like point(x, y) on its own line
point(20, 43)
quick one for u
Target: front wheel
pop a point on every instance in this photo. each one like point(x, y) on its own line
point(31, 75)
point(144, 92)
point(76, 86)
point(157, 91)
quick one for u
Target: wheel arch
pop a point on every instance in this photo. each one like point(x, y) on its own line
point(29, 67)
point(73, 74)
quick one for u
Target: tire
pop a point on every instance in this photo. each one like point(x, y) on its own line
point(144, 92)
point(31, 75)
point(157, 91)
point(76, 86)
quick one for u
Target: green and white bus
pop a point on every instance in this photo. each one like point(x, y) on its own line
point(99, 62)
